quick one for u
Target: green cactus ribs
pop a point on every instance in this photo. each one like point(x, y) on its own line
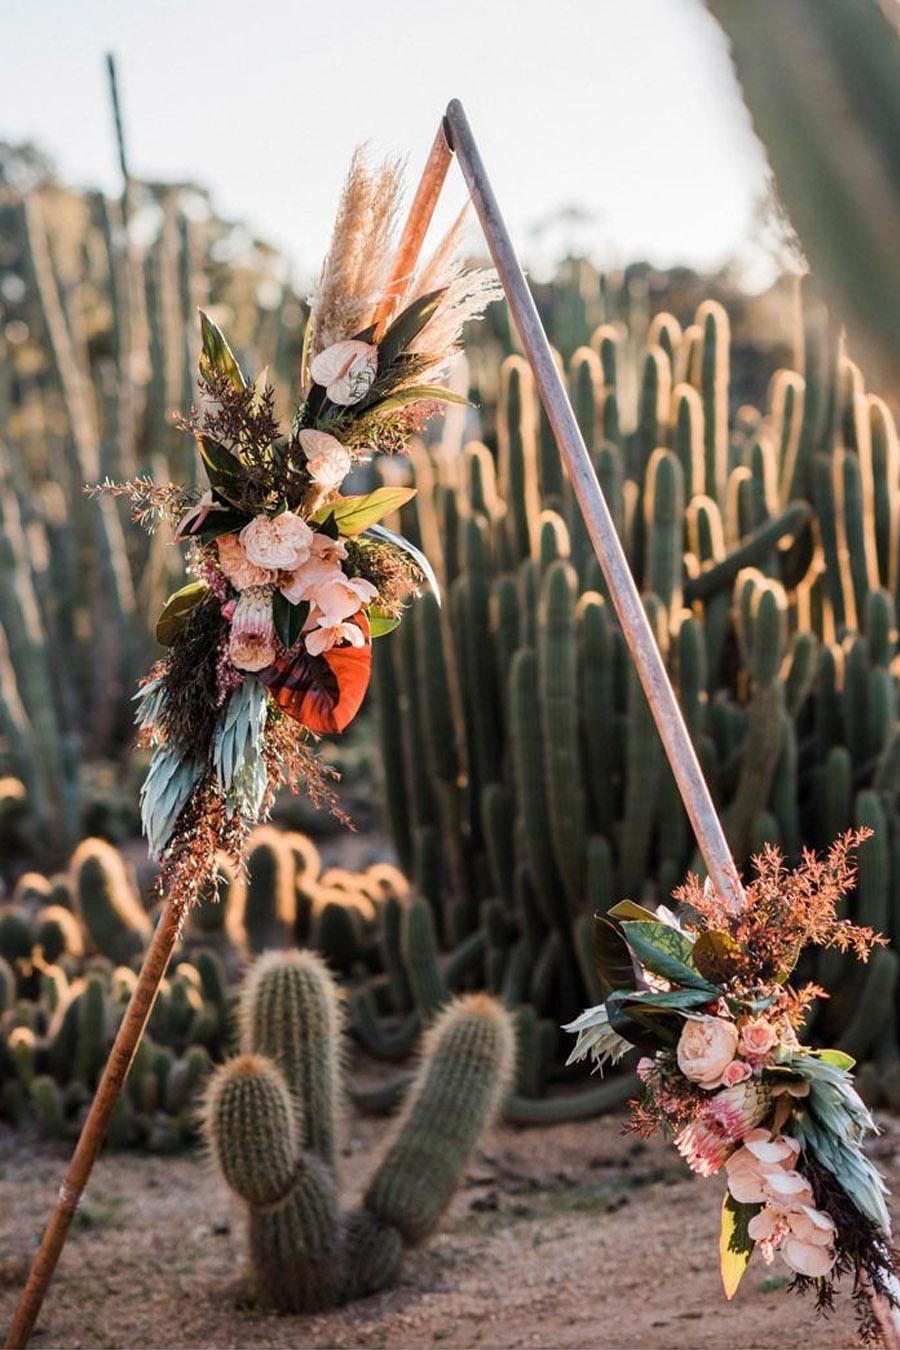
point(270, 1118)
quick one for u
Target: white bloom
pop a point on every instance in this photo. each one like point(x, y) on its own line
point(596, 1038)
point(326, 459)
point(341, 598)
point(347, 370)
point(320, 640)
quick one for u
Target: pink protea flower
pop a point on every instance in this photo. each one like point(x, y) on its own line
point(251, 645)
point(723, 1123)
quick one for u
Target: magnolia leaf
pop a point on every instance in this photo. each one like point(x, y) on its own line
point(835, 1057)
point(218, 523)
point(216, 356)
point(418, 557)
point(735, 1243)
point(715, 955)
point(612, 957)
point(289, 619)
point(629, 909)
point(223, 469)
point(408, 325)
point(418, 393)
point(352, 515)
point(666, 999)
point(381, 623)
point(175, 611)
point(666, 952)
point(644, 1027)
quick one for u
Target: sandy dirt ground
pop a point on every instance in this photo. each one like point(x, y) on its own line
point(577, 1236)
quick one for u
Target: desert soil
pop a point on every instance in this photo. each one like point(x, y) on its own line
point(576, 1236)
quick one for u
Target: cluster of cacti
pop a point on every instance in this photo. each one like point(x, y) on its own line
point(69, 949)
point(525, 783)
point(272, 1117)
point(98, 352)
point(70, 946)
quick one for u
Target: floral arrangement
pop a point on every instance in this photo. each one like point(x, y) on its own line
point(705, 997)
point(270, 644)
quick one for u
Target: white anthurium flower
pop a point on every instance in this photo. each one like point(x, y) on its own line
point(347, 369)
point(596, 1038)
point(320, 640)
point(327, 462)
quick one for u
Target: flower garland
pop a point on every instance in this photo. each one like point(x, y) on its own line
point(270, 644)
point(705, 996)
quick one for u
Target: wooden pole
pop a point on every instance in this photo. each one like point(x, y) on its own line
point(626, 600)
point(622, 589)
point(94, 1129)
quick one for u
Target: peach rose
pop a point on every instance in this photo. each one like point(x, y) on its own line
point(276, 542)
point(327, 461)
point(757, 1037)
point(237, 567)
point(738, 1071)
point(346, 369)
point(706, 1047)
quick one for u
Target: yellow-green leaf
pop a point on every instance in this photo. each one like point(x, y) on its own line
point(418, 393)
point(216, 356)
point(176, 610)
point(352, 515)
point(381, 623)
point(735, 1243)
point(629, 909)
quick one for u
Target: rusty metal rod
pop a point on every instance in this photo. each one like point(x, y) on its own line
point(421, 211)
point(602, 531)
point(94, 1129)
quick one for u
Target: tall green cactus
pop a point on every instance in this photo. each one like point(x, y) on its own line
point(270, 1116)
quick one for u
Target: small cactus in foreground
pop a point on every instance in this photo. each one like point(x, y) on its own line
point(270, 1119)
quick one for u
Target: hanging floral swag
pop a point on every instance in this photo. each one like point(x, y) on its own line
point(705, 996)
point(270, 644)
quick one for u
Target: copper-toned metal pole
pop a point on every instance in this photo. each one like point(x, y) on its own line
point(420, 212)
point(94, 1128)
point(602, 531)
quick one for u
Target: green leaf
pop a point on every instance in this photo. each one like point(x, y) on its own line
point(216, 355)
point(355, 514)
point(380, 623)
point(835, 1057)
point(714, 955)
point(289, 618)
point(612, 956)
point(418, 393)
point(735, 1243)
point(223, 469)
point(645, 1027)
point(670, 999)
point(629, 909)
point(175, 611)
point(218, 523)
point(418, 557)
point(408, 325)
point(666, 952)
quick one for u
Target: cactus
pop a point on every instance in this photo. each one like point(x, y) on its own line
point(116, 923)
point(270, 1117)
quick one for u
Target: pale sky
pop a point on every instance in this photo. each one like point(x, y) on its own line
point(625, 108)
